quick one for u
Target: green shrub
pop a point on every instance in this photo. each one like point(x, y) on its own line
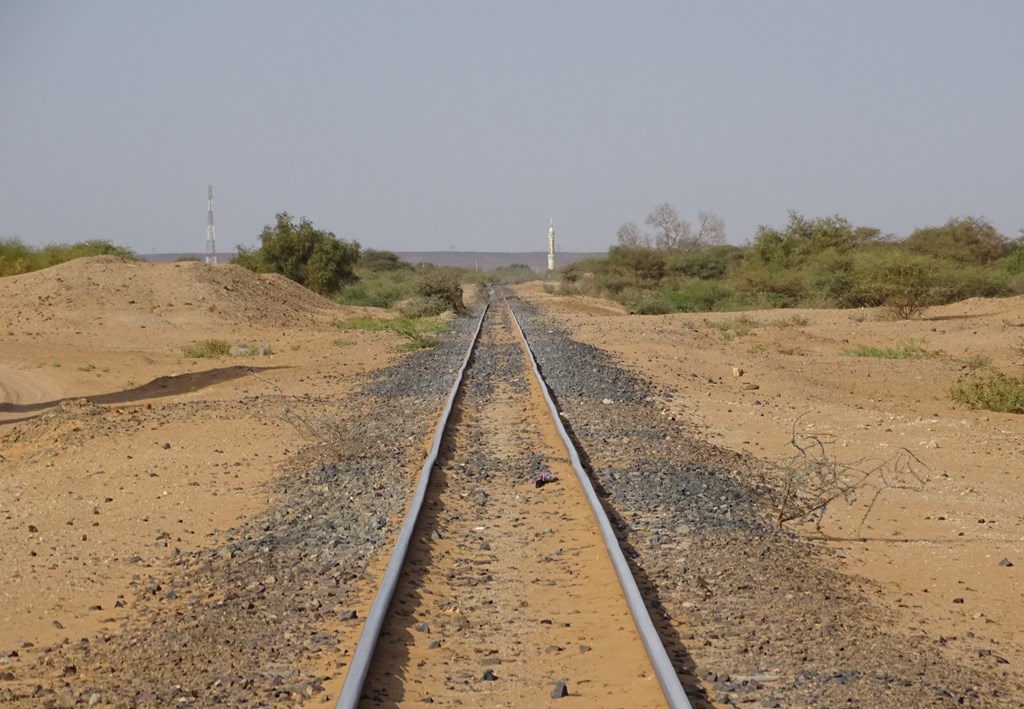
point(697, 296)
point(376, 261)
point(207, 348)
point(990, 391)
point(908, 350)
point(17, 258)
point(439, 289)
point(314, 258)
point(638, 265)
point(652, 304)
point(712, 263)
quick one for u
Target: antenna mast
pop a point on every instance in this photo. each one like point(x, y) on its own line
point(211, 241)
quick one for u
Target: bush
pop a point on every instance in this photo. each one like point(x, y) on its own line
point(697, 296)
point(637, 264)
point(17, 258)
point(207, 348)
point(651, 304)
point(908, 350)
point(990, 391)
point(903, 284)
point(378, 289)
point(375, 261)
point(312, 257)
point(965, 239)
point(438, 291)
point(707, 264)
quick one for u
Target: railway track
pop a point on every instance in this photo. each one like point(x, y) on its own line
point(505, 588)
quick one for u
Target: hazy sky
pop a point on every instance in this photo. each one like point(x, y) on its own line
point(467, 125)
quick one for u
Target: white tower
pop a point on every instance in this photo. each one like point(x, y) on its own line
point(551, 246)
point(211, 242)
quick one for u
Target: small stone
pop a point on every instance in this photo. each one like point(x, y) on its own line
point(488, 675)
point(95, 698)
point(166, 446)
point(421, 628)
point(348, 615)
point(58, 625)
point(434, 644)
point(33, 529)
point(1006, 562)
point(560, 690)
point(484, 546)
point(585, 649)
point(958, 600)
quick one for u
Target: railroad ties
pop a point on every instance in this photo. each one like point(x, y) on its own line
point(506, 586)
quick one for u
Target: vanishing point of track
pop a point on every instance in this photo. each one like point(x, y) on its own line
point(500, 591)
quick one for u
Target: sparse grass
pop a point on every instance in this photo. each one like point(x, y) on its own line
point(207, 348)
point(737, 327)
point(908, 350)
point(343, 342)
point(791, 321)
point(990, 391)
point(978, 361)
point(414, 329)
point(756, 348)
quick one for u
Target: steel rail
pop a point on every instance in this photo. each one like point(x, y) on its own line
point(671, 687)
point(352, 687)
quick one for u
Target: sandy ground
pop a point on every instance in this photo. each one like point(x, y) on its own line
point(936, 552)
point(115, 449)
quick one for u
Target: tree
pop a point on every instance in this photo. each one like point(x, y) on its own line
point(630, 236)
point(670, 232)
point(710, 229)
point(311, 257)
point(379, 261)
point(646, 266)
point(802, 238)
point(968, 239)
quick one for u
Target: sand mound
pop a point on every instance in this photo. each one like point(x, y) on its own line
point(118, 291)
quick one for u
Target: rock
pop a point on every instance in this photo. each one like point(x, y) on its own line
point(560, 690)
point(737, 372)
point(488, 675)
point(421, 628)
point(1006, 562)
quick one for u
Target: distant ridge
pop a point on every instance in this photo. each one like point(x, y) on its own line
point(482, 260)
